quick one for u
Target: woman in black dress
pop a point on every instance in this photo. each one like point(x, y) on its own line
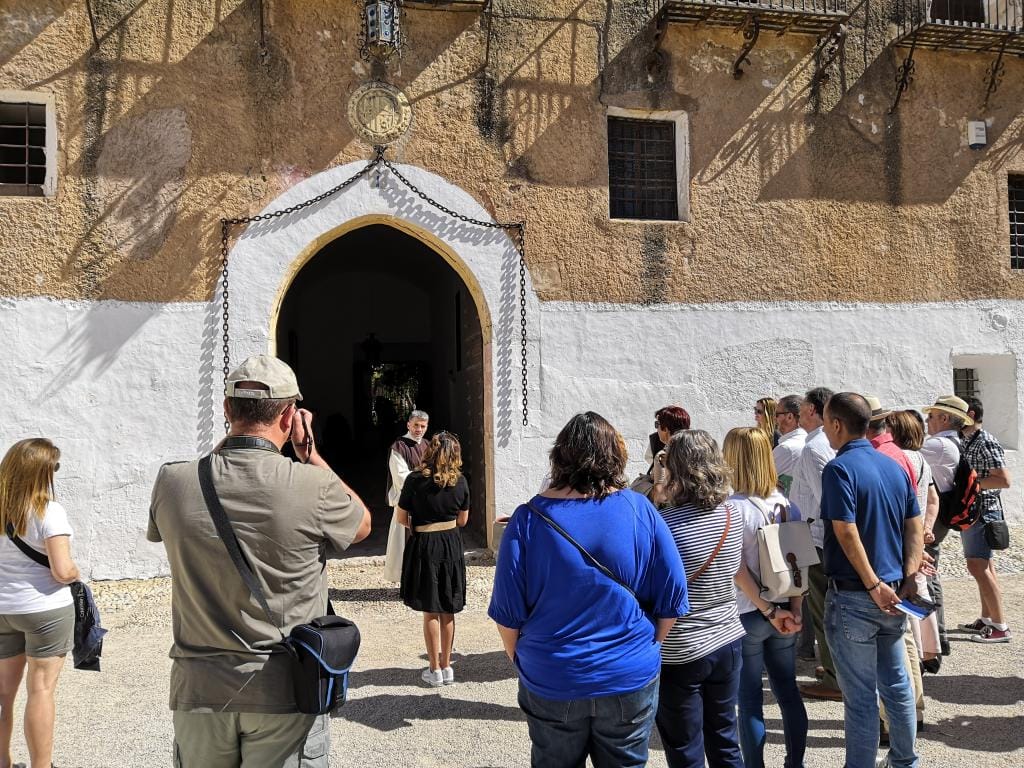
point(434, 505)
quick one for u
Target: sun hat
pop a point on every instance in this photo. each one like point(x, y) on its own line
point(278, 378)
point(877, 412)
point(952, 405)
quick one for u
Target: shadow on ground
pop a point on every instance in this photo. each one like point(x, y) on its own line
point(976, 689)
point(470, 668)
point(388, 712)
point(978, 734)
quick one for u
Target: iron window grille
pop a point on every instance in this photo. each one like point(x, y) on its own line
point(1015, 186)
point(22, 149)
point(642, 181)
point(965, 383)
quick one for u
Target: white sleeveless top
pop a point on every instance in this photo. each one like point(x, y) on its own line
point(25, 585)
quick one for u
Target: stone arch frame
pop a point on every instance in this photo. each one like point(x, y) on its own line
point(268, 255)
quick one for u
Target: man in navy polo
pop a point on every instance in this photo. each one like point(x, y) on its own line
point(873, 540)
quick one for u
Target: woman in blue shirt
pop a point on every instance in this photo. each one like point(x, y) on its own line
point(586, 643)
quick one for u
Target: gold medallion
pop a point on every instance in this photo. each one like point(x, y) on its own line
point(380, 113)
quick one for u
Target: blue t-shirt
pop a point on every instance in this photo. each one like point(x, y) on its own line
point(582, 635)
point(862, 486)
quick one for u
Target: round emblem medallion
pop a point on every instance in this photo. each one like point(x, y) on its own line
point(379, 112)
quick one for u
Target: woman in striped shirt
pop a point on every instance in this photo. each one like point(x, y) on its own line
point(701, 657)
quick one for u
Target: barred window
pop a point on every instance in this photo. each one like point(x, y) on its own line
point(24, 148)
point(1016, 195)
point(642, 178)
point(965, 383)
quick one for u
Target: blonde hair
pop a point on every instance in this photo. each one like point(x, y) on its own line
point(697, 473)
point(443, 460)
point(748, 452)
point(26, 482)
point(770, 406)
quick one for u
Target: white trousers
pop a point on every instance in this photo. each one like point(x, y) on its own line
point(395, 551)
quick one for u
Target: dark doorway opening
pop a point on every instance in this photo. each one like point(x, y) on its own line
point(375, 324)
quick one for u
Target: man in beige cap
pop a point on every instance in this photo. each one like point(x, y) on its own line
point(944, 420)
point(232, 700)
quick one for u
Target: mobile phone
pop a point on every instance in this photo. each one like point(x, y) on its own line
point(916, 607)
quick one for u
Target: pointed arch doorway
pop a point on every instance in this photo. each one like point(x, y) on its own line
point(377, 320)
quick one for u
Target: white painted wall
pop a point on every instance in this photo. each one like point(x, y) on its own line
point(125, 387)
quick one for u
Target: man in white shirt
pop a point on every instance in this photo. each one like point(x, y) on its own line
point(806, 494)
point(406, 454)
point(791, 440)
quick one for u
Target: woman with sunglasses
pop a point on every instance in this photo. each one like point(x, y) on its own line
point(434, 504)
point(37, 615)
point(764, 416)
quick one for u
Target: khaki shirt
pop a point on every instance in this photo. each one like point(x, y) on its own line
point(288, 518)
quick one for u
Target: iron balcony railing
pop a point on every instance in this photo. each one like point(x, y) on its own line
point(966, 25)
point(814, 17)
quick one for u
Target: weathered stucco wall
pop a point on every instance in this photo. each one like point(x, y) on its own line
point(800, 191)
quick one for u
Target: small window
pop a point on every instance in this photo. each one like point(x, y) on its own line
point(27, 144)
point(965, 383)
point(642, 178)
point(1016, 195)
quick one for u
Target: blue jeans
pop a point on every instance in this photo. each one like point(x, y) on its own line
point(867, 646)
point(613, 730)
point(765, 647)
point(697, 710)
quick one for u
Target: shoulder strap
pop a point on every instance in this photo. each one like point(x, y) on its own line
point(765, 512)
point(718, 547)
point(28, 551)
point(586, 555)
point(227, 535)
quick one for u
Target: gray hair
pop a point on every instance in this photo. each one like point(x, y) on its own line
point(418, 416)
point(697, 472)
point(789, 404)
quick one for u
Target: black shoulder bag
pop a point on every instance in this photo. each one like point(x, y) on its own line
point(88, 632)
point(322, 651)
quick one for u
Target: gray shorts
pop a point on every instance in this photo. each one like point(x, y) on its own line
point(39, 635)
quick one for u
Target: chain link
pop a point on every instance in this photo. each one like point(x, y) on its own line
point(517, 230)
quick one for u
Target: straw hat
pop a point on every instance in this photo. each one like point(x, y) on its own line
point(877, 412)
point(952, 405)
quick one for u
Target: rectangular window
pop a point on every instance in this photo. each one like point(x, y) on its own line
point(1016, 195)
point(23, 148)
point(965, 383)
point(642, 178)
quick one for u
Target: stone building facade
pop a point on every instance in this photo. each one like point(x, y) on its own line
point(819, 233)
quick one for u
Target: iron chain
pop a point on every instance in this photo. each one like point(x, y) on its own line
point(517, 229)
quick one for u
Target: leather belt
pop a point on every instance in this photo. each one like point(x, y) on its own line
point(850, 585)
point(435, 527)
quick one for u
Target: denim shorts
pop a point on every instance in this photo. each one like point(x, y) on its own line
point(39, 635)
point(973, 539)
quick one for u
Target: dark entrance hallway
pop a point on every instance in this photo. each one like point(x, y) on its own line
point(375, 324)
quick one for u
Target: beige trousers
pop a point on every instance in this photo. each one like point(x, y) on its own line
point(250, 740)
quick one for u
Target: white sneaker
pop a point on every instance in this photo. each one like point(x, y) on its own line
point(432, 677)
point(448, 675)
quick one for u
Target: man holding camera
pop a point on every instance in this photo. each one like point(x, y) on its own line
point(231, 692)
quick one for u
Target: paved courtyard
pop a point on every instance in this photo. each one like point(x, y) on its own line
point(975, 707)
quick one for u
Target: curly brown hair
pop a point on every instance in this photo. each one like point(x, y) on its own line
point(697, 472)
point(589, 456)
point(442, 460)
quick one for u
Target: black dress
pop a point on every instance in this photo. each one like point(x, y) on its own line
point(433, 567)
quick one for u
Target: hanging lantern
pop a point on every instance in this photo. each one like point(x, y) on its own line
point(381, 37)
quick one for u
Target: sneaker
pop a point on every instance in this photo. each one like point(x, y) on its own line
point(992, 635)
point(432, 677)
point(975, 626)
point(448, 675)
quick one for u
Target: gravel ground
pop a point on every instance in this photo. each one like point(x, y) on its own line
point(975, 707)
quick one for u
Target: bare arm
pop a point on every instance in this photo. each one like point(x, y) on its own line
point(401, 517)
point(931, 514)
point(997, 479)
point(462, 518)
point(913, 545)
point(63, 568)
point(662, 629)
point(749, 587)
point(509, 639)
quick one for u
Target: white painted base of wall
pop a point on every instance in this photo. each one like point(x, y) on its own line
point(122, 388)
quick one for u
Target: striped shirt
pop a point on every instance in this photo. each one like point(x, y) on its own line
point(713, 620)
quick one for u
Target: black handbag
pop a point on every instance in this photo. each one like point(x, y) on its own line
point(322, 651)
point(997, 534)
point(88, 632)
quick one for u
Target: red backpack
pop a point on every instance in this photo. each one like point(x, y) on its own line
point(957, 507)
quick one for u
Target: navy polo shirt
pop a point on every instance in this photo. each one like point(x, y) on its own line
point(862, 486)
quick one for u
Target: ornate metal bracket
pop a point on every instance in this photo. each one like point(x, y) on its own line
point(829, 48)
point(751, 29)
point(994, 74)
point(904, 75)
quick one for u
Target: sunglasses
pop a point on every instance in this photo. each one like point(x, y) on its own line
point(56, 467)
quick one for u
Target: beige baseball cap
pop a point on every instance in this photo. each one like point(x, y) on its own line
point(278, 378)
